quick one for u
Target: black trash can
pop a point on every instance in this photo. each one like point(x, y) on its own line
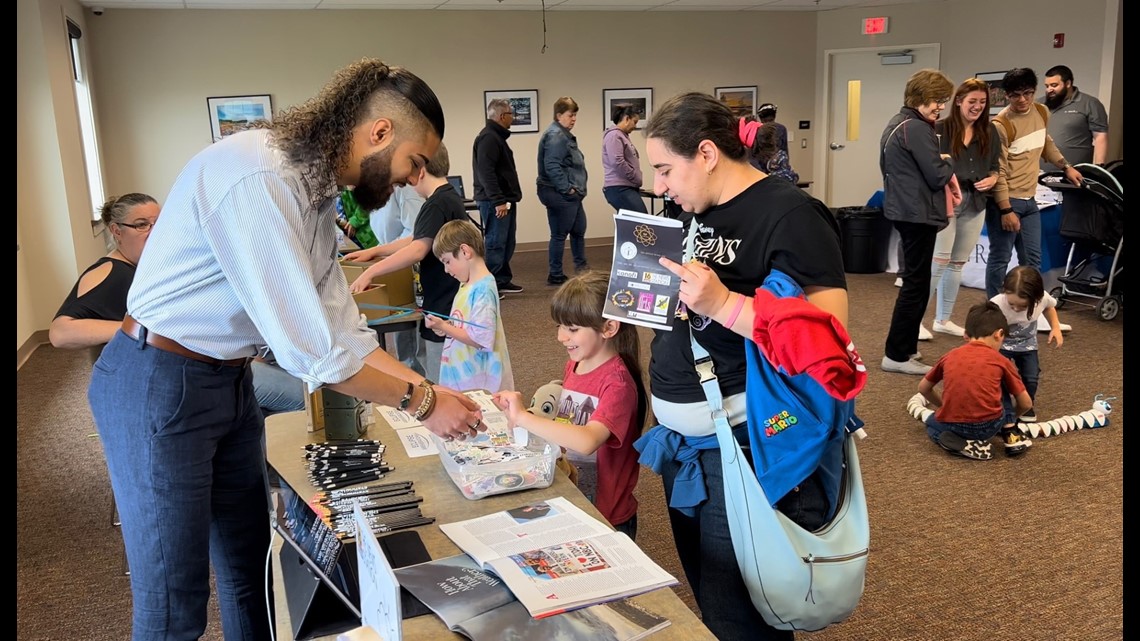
point(866, 236)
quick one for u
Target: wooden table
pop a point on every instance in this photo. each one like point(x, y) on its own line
point(286, 434)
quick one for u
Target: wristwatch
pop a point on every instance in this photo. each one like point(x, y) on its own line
point(1006, 210)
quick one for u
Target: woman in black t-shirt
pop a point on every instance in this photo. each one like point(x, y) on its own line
point(747, 225)
point(95, 308)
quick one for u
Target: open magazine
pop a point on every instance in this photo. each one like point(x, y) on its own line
point(641, 291)
point(554, 557)
point(479, 606)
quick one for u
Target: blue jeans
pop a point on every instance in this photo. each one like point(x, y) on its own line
point(275, 389)
point(704, 547)
point(1029, 366)
point(629, 528)
point(499, 237)
point(982, 431)
point(1002, 242)
point(952, 248)
point(624, 198)
point(566, 216)
point(406, 344)
point(184, 443)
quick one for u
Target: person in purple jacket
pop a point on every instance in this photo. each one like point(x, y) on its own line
point(620, 162)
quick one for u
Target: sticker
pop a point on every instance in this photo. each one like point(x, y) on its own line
point(509, 480)
point(623, 298)
point(645, 235)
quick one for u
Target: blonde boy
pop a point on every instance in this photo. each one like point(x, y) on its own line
point(475, 346)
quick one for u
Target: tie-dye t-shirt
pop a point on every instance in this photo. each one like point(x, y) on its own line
point(488, 366)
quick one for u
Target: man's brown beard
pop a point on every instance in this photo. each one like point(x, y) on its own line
point(374, 188)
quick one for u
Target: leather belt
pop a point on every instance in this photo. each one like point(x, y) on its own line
point(131, 328)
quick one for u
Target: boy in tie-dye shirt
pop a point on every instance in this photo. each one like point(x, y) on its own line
point(475, 346)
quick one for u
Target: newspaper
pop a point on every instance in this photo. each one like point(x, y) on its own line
point(554, 557)
point(479, 606)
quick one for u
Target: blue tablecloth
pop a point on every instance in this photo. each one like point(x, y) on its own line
point(1054, 249)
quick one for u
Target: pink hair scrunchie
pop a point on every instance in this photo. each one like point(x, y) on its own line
point(747, 131)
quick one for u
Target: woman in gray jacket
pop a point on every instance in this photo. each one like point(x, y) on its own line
point(915, 174)
point(562, 187)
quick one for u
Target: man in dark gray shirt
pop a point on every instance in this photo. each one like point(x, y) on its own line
point(1078, 123)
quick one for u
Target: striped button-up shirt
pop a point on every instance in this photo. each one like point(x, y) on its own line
point(240, 261)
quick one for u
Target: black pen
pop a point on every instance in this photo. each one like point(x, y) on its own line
point(343, 454)
point(375, 496)
point(330, 465)
point(348, 445)
point(336, 510)
point(367, 489)
point(354, 480)
point(334, 476)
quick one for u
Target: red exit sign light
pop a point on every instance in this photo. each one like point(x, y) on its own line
point(875, 26)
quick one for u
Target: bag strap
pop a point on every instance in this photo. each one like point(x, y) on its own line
point(701, 358)
point(891, 135)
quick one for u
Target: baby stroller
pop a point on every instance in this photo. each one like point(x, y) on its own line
point(1092, 218)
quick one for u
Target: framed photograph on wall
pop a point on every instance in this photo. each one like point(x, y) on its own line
point(231, 114)
point(741, 100)
point(524, 102)
point(640, 99)
point(997, 100)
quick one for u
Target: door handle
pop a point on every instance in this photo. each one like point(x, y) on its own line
point(836, 146)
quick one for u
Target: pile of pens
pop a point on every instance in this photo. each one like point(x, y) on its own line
point(338, 464)
point(346, 472)
point(388, 507)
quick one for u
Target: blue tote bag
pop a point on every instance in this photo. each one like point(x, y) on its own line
point(797, 579)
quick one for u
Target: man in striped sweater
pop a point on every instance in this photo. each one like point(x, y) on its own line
point(1012, 217)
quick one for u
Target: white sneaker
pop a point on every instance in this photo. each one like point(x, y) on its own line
point(1043, 325)
point(924, 334)
point(898, 282)
point(948, 327)
point(904, 367)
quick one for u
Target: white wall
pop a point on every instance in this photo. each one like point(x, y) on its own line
point(52, 207)
point(156, 69)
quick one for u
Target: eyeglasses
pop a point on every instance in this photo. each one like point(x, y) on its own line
point(1020, 95)
point(141, 227)
point(942, 101)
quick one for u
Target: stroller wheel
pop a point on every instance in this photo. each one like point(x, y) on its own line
point(1108, 308)
point(1059, 294)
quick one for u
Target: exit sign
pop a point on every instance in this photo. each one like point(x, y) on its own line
point(875, 26)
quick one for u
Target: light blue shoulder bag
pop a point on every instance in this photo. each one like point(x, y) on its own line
point(798, 580)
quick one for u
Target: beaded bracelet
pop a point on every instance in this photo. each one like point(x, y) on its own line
point(426, 405)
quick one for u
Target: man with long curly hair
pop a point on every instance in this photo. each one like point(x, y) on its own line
point(244, 259)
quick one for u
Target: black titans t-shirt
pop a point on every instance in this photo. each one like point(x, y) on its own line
point(771, 225)
point(444, 205)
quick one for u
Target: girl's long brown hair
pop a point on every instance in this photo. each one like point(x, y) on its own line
point(1025, 282)
point(579, 302)
point(956, 124)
